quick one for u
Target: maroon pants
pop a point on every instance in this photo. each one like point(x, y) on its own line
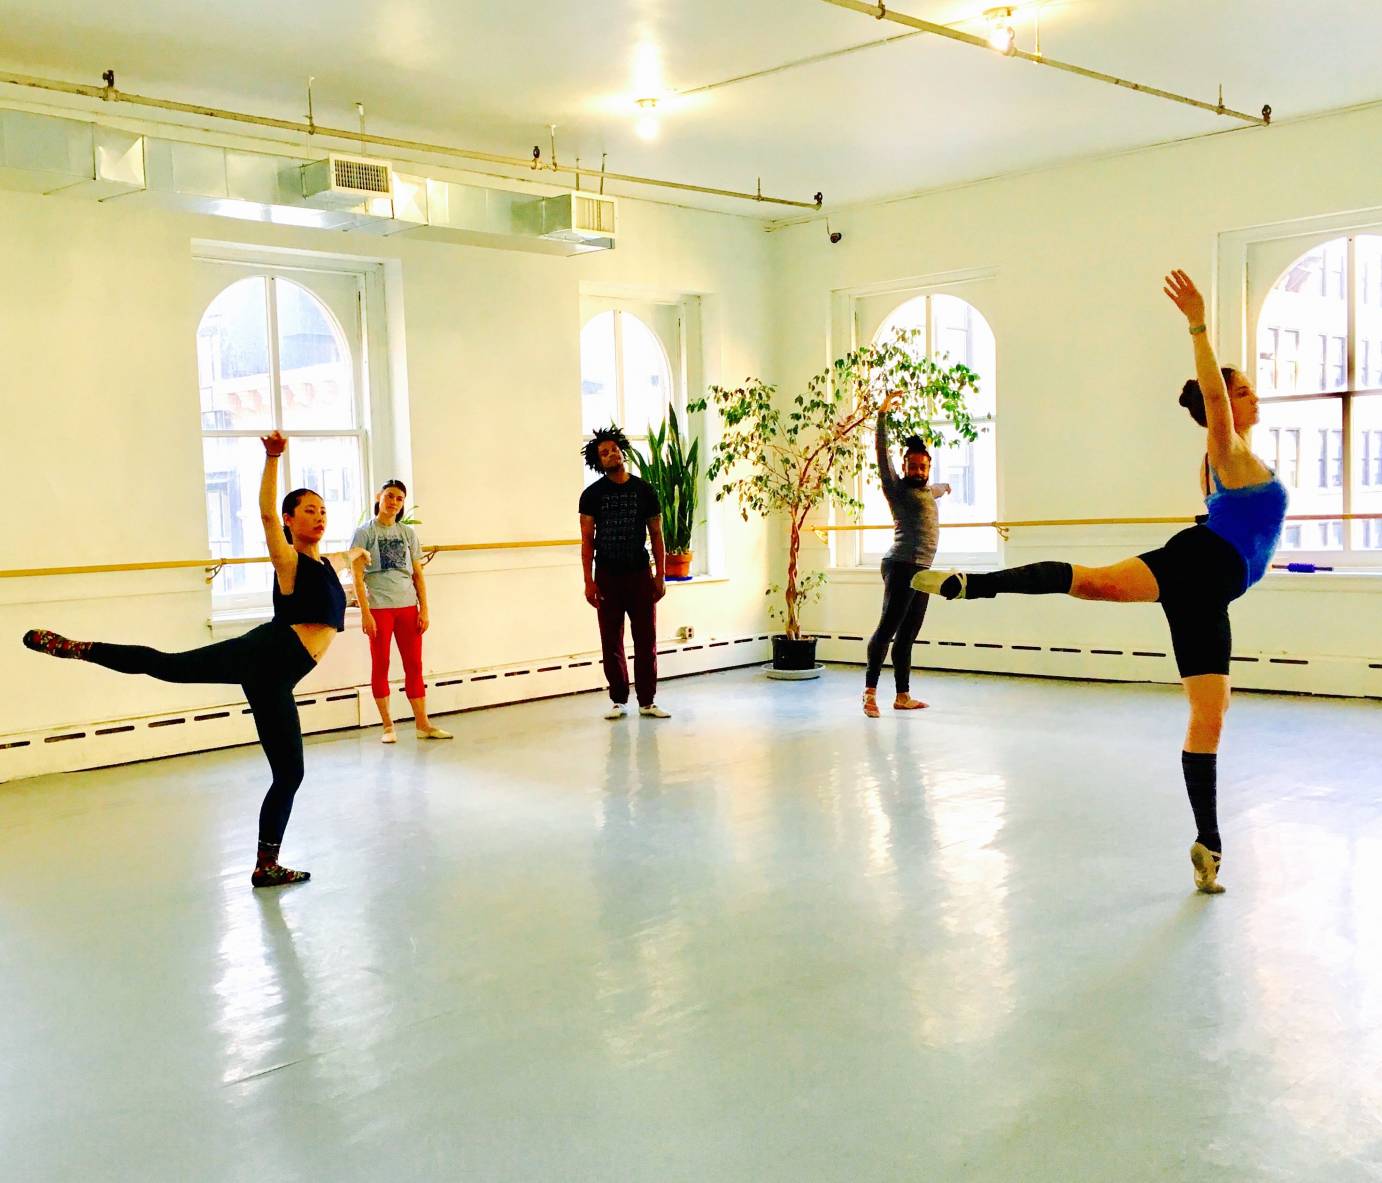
point(628, 593)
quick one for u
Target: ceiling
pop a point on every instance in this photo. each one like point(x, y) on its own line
point(912, 115)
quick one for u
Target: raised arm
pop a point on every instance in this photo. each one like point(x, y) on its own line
point(1222, 440)
point(887, 474)
point(281, 552)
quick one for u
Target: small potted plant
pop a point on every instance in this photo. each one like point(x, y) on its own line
point(673, 469)
point(794, 460)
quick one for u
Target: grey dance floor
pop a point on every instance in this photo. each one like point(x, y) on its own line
point(767, 939)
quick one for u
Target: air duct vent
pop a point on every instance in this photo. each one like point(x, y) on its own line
point(580, 218)
point(593, 216)
point(343, 182)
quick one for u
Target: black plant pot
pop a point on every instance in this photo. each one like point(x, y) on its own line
point(793, 655)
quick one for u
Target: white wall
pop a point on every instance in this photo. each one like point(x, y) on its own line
point(1091, 358)
point(101, 446)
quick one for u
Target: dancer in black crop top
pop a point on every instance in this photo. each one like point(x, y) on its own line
point(267, 662)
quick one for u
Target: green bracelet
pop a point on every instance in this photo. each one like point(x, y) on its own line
point(1196, 329)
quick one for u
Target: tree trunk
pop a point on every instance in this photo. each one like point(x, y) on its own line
point(793, 619)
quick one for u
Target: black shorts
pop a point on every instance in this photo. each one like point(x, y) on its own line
point(1198, 574)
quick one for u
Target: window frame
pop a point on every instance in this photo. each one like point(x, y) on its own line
point(686, 370)
point(850, 550)
point(1240, 306)
point(367, 341)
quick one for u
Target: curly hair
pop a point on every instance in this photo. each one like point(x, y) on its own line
point(592, 449)
point(915, 445)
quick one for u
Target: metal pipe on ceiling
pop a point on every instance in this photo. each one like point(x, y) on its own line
point(882, 12)
point(110, 94)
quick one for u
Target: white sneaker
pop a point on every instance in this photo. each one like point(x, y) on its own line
point(389, 736)
point(930, 582)
point(617, 710)
point(653, 711)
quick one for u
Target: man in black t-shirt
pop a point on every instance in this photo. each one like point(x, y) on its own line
point(619, 512)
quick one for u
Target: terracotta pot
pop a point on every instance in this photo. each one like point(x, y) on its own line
point(679, 565)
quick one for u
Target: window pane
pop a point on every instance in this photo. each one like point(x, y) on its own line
point(910, 315)
point(233, 469)
point(330, 466)
point(1303, 333)
point(1368, 311)
point(1307, 453)
point(314, 363)
point(970, 469)
point(1367, 470)
point(647, 378)
point(962, 335)
point(233, 359)
point(599, 406)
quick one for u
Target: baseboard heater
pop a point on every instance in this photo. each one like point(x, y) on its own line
point(107, 742)
point(1348, 677)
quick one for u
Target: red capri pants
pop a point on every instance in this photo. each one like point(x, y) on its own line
point(402, 624)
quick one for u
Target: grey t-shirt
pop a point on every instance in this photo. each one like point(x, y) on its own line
point(916, 525)
point(389, 577)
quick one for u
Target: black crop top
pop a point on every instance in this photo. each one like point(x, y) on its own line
point(318, 597)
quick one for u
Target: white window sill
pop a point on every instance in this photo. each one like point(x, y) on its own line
point(696, 581)
point(1331, 581)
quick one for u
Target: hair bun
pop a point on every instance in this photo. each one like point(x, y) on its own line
point(1190, 393)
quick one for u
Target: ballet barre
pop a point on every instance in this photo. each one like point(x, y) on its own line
point(1003, 527)
point(214, 567)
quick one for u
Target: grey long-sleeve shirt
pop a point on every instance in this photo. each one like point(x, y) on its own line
point(916, 525)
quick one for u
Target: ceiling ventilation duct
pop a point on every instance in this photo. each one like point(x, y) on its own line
point(579, 218)
point(45, 154)
point(345, 182)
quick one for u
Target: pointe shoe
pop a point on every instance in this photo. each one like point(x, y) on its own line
point(905, 702)
point(930, 582)
point(871, 705)
point(1206, 864)
point(389, 736)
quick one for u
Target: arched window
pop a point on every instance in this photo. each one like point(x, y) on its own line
point(272, 355)
point(626, 377)
point(1319, 378)
point(950, 330)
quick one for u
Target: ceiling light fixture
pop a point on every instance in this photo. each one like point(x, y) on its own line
point(646, 127)
point(1001, 35)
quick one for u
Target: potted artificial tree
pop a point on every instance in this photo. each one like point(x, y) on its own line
point(793, 461)
point(673, 469)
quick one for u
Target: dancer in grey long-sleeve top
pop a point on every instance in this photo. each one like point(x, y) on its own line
point(915, 531)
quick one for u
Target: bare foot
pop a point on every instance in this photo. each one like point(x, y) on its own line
point(905, 702)
point(870, 704)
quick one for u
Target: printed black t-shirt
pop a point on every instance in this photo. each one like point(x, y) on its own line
point(621, 514)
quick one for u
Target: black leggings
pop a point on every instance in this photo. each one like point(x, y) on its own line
point(1198, 574)
point(903, 611)
point(267, 662)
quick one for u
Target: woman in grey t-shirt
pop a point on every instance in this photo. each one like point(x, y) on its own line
point(393, 604)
